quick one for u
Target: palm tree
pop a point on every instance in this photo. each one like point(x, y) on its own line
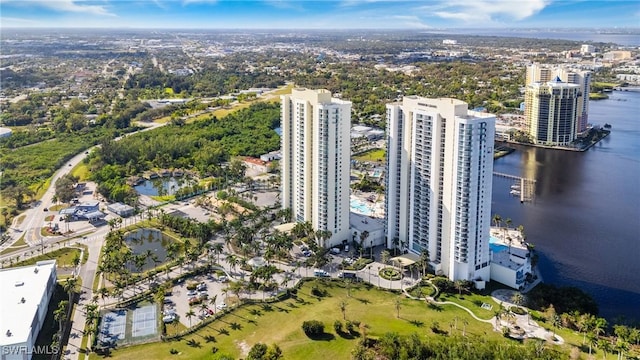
point(497, 219)
point(212, 302)
point(343, 309)
point(363, 237)
point(70, 287)
point(517, 299)
point(189, 315)
point(398, 304)
point(605, 346)
point(465, 322)
point(103, 292)
point(60, 314)
point(384, 257)
point(424, 260)
point(218, 248)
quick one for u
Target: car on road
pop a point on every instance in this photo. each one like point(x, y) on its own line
point(320, 273)
point(349, 275)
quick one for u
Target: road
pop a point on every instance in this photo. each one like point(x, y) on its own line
point(35, 216)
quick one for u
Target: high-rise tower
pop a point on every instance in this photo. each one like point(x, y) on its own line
point(439, 178)
point(544, 73)
point(551, 110)
point(316, 160)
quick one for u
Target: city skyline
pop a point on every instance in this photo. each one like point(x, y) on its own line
point(338, 14)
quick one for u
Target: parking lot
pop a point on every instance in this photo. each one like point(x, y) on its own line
point(180, 295)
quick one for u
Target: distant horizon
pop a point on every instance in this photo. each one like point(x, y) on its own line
point(585, 29)
point(317, 15)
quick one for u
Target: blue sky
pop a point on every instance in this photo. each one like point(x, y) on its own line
point(320, 14)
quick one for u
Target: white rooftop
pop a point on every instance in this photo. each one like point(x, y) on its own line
point(28, 283)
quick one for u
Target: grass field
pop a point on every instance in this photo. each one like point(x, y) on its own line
point(81, 171)
point(374, 155)
point(63, 257)
point(281, 323)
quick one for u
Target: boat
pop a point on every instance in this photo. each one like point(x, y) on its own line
point(515, 187)
point(514, 192)
point(607, 126)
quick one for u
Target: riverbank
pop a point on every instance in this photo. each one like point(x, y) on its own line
point(596, 135)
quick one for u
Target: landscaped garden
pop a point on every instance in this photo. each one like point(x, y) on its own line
point(281, 323)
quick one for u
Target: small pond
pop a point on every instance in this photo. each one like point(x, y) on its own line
point(161, 186)
point(142, 240)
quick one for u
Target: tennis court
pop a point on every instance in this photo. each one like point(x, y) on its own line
point(144, 321)
point(113, 326)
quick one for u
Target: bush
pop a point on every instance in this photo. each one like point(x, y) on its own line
point(173, 351)
point(390, 274)
point(313, 328)
point(518, 310)
point(337, 326)
point(349, 326)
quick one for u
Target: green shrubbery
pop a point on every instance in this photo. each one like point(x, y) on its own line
point(313, 328)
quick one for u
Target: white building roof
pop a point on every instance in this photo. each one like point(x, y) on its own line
point(362, 222)
point(18, 284)
point(5, 131)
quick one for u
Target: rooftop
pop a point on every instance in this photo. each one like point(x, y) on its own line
point(363, 222)
point(23, 290)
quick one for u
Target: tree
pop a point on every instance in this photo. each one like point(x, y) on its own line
point(517, 299)
point(343, 309)
point(70, 287)
point(189, 315)
point(257, 352)
point(398, 304)
point(385, 256)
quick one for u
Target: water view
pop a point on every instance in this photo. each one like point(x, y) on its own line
point(584, 218)
point(159, 186)
point(151, 242)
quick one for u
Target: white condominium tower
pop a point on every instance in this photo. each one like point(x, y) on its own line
point(315, 160)
point(551, 110)
point(544, 73)
point(439, 176)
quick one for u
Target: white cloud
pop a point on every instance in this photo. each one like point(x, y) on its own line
point(188, 2)
point(485, 10)
point(285, 4)
point(73, 6)
point(13, 21)
point(411, 21)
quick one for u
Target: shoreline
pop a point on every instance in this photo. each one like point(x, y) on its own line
point(604, 133)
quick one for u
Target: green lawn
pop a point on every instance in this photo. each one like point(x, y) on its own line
point(64, 257)
point(281, 323)
point(374, 155)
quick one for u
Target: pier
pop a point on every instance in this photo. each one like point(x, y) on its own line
point(527, 186)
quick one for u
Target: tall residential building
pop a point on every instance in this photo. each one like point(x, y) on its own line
point(550, 112)
point(439, 177)
point(316, 160)
point(544, 73)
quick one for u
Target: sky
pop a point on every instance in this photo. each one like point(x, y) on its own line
point(320, 14)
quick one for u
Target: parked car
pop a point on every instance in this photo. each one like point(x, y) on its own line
point(335, 250)
point(349, 275)
point(320, 273)
point(192, 293)
point(346, 248)
point(201, 287)
point(168, 319)
point(221, 306)
point(223, 278)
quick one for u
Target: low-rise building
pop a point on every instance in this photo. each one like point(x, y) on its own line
point(374, 227)
point(121, 209)
point(23, 307)
point(510, 258)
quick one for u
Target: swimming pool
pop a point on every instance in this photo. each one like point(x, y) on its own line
point(496, 248)
point(359, 207)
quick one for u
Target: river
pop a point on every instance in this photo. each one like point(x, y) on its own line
point(585, 217)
